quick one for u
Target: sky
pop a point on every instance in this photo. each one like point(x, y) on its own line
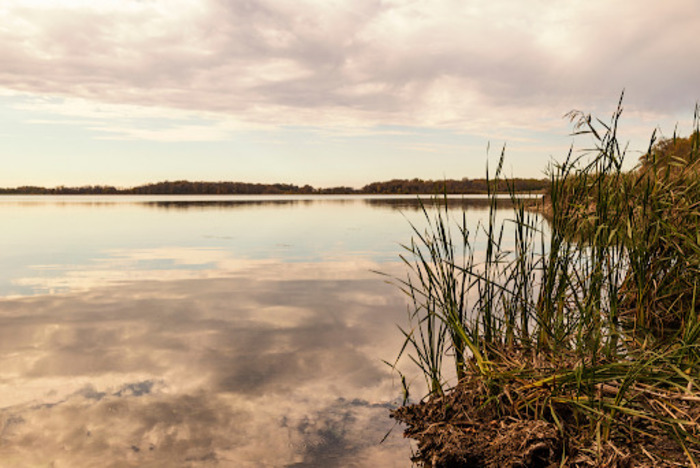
point(330, 92)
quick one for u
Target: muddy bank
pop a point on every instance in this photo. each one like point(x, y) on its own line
point(473, 427)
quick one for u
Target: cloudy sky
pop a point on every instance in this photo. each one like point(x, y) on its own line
point(328, 92)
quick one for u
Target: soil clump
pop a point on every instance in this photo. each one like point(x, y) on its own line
point(469, 427)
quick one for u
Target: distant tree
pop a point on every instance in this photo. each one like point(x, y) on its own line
point(450, 186)
point(184, 187)
point(676, 151)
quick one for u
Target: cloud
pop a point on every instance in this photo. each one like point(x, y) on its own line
point(237, 371)
point(359, 63)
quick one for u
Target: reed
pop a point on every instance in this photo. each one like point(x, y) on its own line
point(586, 319)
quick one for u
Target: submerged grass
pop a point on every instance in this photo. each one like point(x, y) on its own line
point(584, 330)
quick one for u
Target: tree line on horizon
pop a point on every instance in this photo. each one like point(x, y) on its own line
point(391, 187)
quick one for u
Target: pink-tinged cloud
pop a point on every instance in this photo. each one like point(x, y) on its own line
point(359, 62)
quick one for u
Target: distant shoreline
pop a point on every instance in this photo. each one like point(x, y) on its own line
point(391, 187)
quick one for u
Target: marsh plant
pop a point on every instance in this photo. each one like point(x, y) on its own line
point(586, 319)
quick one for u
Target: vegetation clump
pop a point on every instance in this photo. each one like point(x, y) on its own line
point(184, 187)
point(576, 342)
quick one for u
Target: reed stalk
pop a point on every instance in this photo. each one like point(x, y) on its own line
point(587, 317)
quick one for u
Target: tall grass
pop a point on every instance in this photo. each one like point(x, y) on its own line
point(588, 318)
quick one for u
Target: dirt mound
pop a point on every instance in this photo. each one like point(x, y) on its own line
point(472, 428)
point(451, 433)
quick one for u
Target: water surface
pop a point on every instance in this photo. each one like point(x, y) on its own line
point(201, 331)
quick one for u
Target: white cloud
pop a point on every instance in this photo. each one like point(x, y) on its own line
point(361, 63)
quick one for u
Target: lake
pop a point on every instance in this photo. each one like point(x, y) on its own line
point(202, 331)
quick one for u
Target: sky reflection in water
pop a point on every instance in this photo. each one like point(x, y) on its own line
point(151, 333)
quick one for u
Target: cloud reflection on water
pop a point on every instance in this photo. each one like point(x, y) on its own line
point(212, 334)
point(275, 364)
point(73, 238)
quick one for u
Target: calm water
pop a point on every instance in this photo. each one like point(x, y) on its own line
point(221, 331)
